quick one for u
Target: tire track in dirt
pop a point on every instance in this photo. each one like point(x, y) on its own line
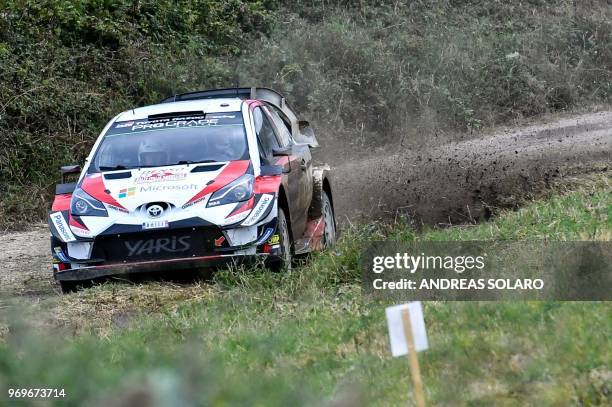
point(460, 182)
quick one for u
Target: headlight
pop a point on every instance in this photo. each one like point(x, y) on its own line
point(237, 191)
point(82, 204)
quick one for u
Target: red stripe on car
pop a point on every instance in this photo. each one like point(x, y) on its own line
point(94, 186)
point(61, 202)
point(246, 206)
point(267, 184)
point(76, 222)
point(232, 171)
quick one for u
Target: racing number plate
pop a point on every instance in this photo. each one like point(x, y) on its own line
point(155, 224)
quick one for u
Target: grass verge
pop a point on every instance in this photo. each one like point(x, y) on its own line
point(254, 337)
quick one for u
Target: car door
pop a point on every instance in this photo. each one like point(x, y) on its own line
point(300, 177)
point(269, 140)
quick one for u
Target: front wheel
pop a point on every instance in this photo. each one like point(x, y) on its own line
point(329, 227)
point(284, 259)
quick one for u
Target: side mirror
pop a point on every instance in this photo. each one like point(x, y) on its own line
point(270, 170)
point(69, 170)
point(279, 152)
point(306, 134)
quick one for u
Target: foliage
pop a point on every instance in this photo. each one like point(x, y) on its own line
point(68, 67)
point(385, 70)
point(392, 66)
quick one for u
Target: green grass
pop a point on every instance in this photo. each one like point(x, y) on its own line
point(258, 338)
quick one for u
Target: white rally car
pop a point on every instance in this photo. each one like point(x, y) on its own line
point(199, 180)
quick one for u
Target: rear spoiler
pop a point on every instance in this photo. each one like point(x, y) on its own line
point(265, 94)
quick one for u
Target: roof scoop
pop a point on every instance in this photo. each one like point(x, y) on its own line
point(206, 168)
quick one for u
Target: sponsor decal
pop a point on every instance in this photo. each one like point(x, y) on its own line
point(199, 120)
point(60, 254)
point(161, 188)
point(62, 227)
point(116, 208)
point(219, 241)
point(172, 244)
point(160, 175)
point(212, 204)
point(188, 204)
point(193, 121)
point(155, 224)
point(259, 209)
point(188, 121)
point(221, 116)
point(82, 232)
point(125, 192)
point(274, 239)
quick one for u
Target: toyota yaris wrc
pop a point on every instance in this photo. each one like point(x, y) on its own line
point(199, 180)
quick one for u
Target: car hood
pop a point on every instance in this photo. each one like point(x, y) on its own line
point(182, 190)
point(129, 190)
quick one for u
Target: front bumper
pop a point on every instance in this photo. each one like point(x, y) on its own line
point(107, 270)
point(163, 250)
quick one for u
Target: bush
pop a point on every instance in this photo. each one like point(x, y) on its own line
point(461, 64)
point(367, 73)
point(68, 67)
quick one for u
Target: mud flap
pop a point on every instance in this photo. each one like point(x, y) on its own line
point(313, 237)
point(319, 174)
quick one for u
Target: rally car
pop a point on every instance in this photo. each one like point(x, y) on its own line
point(200, 180)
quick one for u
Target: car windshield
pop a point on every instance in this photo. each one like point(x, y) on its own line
point(210, 137)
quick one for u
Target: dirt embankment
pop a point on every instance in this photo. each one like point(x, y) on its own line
point(460, 182)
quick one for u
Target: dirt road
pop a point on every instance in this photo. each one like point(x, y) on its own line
point(460, 182)
point(452, 183)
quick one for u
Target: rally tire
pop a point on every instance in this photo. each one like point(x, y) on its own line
point(284, 259)
point(329, 222)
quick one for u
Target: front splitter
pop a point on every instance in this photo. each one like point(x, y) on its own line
point(106, 270)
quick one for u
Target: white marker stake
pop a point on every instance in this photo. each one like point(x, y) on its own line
point(407, 336)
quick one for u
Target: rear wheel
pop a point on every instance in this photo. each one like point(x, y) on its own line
point(329, 227)
point(283, 261)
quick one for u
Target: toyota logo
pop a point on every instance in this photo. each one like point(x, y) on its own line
point(155, 211)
